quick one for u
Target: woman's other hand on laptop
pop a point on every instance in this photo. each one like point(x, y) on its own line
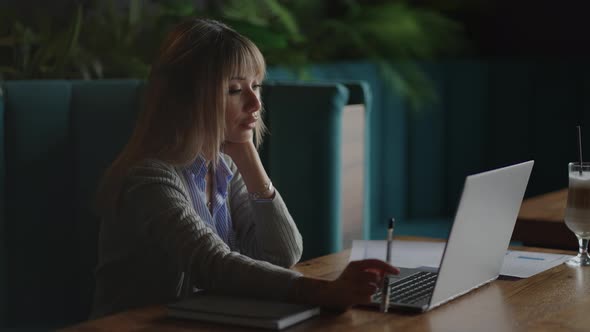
point(355, 285)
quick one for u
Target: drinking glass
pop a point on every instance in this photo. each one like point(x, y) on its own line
point(577, 211)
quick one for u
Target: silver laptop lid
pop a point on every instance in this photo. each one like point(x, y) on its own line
point(481, 231)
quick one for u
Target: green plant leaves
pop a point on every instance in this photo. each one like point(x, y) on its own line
point(68, 42)
point(394, 35)
point(108, 39)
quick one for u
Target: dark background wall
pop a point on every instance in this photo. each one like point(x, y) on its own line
point(494, 28)
point(546, 28)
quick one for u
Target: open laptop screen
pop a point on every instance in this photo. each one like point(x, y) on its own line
point(481, 230)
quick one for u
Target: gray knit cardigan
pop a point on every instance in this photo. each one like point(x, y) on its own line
point(154, 248)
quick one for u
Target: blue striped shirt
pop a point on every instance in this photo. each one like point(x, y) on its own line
point(219, 218)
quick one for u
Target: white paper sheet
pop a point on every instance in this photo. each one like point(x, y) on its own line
point(524, 264)
point(412, 254)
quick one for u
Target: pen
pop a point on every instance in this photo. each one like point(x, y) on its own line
point(385, 292)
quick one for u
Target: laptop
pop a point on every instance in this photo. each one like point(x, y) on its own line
point(476, 246)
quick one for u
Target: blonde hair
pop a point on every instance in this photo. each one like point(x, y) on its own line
point(183, 112)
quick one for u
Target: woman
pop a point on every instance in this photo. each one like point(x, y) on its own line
point(187, 204)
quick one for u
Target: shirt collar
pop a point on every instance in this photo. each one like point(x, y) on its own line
point(199, 167)
point(223, 174)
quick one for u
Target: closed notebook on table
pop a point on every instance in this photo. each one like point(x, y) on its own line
point(241, 311)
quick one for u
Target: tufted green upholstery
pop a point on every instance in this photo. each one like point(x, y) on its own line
point(489, 113)
point(58, 137)
point(38, 238)
point(308, 172)
point(102, 118)
point(303, 158)
point(3, 247)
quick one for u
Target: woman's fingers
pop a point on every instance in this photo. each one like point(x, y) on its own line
point(369, 277)
point(363, 293)
point(359, 281)
point(364, 286)
point(374, 264)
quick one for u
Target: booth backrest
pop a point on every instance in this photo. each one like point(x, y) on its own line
point(304, 157)
point(59, 136)
point(488, 114)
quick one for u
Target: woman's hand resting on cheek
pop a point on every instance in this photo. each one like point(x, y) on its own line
point(237, 149)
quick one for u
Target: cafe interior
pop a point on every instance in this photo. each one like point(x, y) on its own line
point(401, 99)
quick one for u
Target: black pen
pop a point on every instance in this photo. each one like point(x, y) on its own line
point(386, 290)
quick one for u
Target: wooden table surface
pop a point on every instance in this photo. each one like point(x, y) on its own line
point(541, 223)
point(555, 300)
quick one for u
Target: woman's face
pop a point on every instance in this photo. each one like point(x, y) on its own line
point(242, 109)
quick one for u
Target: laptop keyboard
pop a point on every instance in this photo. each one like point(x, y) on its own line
point(410, 290)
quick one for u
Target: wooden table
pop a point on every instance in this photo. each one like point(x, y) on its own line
point(541, 223)
point(555, 300)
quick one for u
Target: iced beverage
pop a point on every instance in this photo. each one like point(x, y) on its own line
point(577, 213)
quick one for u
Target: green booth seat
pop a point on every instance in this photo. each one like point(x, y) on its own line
point(303, 155)
point(3, 256)
point(56, 139)
point(487, 114)
point(59, 137)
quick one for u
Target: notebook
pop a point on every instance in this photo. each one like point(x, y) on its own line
point(223, 309)
point(476, 246)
